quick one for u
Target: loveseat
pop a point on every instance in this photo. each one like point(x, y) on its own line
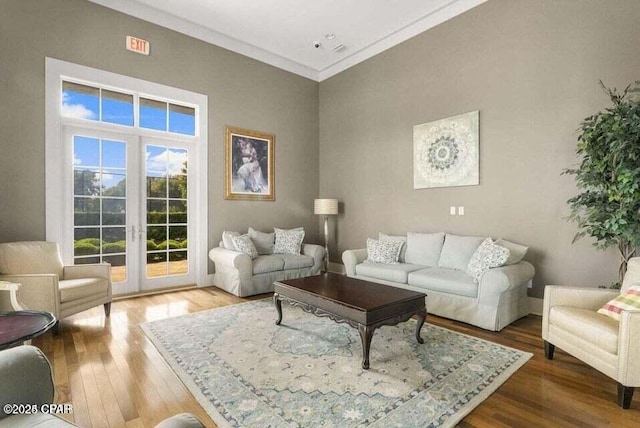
point(240, 274)
point(437, 264)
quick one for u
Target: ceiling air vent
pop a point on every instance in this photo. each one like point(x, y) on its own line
point(339, 48)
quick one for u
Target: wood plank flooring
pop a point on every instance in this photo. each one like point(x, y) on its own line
point(115, 377)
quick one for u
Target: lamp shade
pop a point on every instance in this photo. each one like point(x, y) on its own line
point(325, 206)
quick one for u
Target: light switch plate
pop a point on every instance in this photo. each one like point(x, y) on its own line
point(452, 210)
point(460, 210)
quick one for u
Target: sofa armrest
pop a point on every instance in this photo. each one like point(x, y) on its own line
point(315, 251)
point(101, 270)
point(26, 377)
point(578, 297)
point(500, 279)
point(228, 259)
point(351, 258)
point(629, 348)
point(38, 292)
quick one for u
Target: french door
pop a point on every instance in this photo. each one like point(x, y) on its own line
point(130, 197)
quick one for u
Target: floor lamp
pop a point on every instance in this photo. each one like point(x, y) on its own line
point(326, 207)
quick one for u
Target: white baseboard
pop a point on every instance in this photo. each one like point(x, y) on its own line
point(535, 306)
point(336, 267)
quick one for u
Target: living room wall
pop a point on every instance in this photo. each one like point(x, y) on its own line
point(531, 68)
point(242, 92)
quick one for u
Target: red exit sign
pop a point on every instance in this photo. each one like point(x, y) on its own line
point(137, 45)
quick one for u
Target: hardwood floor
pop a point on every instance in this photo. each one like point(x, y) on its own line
point(114, 376)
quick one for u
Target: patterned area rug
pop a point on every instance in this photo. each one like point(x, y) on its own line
point(247, 372)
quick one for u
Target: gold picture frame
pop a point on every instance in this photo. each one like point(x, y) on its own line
point(249, 165)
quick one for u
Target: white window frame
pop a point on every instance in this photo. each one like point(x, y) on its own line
point(58, 178)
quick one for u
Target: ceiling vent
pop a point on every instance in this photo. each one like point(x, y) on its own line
point(339, 48)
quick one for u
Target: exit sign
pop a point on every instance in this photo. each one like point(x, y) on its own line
point(137, 45)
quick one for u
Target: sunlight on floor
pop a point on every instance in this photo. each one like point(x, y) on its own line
point(172, 309)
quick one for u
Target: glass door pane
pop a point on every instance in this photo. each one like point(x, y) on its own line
point(100, 204)
point(167, 225)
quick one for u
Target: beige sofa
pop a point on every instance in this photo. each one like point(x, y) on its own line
point(570, 321)
point(435, 264)
point(238, 274)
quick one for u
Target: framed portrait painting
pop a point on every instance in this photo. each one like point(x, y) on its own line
point(249, 165)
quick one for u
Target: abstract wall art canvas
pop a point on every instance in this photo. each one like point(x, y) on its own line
point(446, 152)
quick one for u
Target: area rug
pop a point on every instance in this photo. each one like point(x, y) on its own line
point(247, 372)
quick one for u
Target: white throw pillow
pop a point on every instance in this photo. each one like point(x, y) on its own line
point(383, 251)
point(403, 239)
point(458, 250)
point(227, 241)
point(244, 244)
point(487, 256)
point(263, 241)
point(288, 241)
point(516, 251)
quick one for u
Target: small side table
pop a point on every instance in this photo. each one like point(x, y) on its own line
point(20, 326)
point(12, 288)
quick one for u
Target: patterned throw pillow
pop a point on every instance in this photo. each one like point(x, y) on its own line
point(629, 300)
point(487, 256)
point(383, 251)
point(244, 244)
point(288, 241)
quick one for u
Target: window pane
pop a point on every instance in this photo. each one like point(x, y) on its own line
point(117, 108)
point(156, 264)
point(157, 234)
point(80, 101)
point(113, 211)
point(156, 187)
point(177, 234)
point(177, 161)
point(86, 151)
point(178, 187)
point(86, 260)
point(177, 211)
point(153, 114)
point(156, 158)
point(114, 182)
point(86, 182)
point(178, 264)
point(156, 211)
point(86, 212)
point(118, 267)
point(114, 154)
point(182, 119)
point(86, 241)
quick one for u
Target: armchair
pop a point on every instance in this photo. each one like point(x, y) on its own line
point(571, 322)
point(47, 285)
point(27, 379)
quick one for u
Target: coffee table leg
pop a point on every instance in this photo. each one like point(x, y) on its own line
point(422, 315)
point(366, 333)
point(278, 303)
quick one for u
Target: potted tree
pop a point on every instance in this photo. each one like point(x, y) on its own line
point(608, 177)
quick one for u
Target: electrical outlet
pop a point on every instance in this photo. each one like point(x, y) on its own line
point(452, 210)
point(460, 210)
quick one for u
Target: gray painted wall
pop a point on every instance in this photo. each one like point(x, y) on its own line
point(532, 69)
point(242, 92)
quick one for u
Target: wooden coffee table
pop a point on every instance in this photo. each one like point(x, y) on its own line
point(363, 305)
point(20, 326)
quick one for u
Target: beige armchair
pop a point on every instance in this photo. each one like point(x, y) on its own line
point(571, 322)
point(47, 285)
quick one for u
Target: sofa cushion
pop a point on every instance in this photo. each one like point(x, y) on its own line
point(227, 239)
point(424, 248)
point(75, 289)
point(383, 251)
point(445, 281)
point(294, 261)
point(403, 250)
point(587, 325)
point(267, 263)
point(396, 273)
point(264, 242)
point(516, 251)
point(457, 251)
